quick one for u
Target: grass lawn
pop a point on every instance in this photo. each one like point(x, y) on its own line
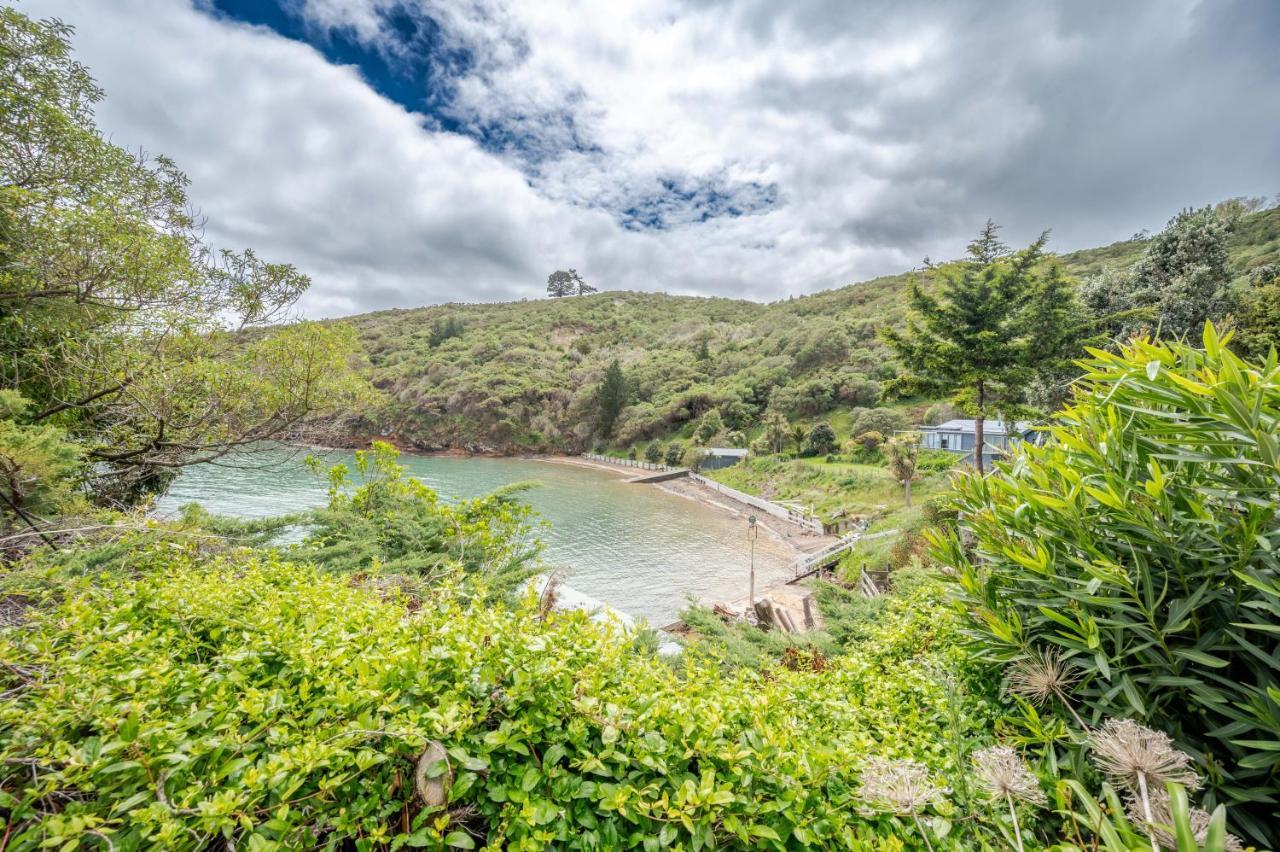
point(828, 488)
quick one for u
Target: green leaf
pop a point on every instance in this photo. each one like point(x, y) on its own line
point(459, 840)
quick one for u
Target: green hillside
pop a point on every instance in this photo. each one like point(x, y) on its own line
point(523, 375)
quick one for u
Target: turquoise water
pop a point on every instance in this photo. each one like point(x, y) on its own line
point(641, 549)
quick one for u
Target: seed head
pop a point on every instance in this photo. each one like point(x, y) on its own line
point(1042, 676)
point(1161, 825)
point(1125, 750)
point(1003, 772)
point(900, 786)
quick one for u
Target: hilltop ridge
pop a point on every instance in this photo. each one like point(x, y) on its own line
point(520, 376)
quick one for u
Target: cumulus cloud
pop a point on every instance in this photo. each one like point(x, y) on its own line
point(722, 147)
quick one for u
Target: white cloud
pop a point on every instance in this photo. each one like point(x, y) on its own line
point(864, 136)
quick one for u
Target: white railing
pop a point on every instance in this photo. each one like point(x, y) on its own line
point(808, 564)
point(787, 513)
point(636, 463)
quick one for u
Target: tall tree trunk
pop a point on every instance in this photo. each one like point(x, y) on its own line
point(906, 492)
point(979, 433)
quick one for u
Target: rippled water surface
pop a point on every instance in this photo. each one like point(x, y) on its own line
point(639, 548)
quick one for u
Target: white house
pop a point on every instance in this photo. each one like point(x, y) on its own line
point(959, 436)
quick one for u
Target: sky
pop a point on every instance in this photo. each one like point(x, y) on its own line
point(411, 152)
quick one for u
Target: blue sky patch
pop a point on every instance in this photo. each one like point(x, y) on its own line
point(417, 65)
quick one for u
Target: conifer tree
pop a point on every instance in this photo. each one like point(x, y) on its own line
point(612, 397)
point(560, 284)
point(986, 326)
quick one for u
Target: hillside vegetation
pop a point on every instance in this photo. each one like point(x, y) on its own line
point(523, 375)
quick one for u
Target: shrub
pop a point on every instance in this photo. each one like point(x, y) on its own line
point(673, 455)
point(393, 523)
point(886, 421)
point(710, 426)
point(1142, 542)
point(820, 441)
point(653, 452)
point(869, 440)
point(693, 458)
point(935, 461)
point(262, 704)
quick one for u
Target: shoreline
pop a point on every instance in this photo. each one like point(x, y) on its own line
point(797, 539)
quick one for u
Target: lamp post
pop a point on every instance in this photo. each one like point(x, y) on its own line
point(752, 532)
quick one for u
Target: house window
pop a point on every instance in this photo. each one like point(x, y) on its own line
point(944, 442)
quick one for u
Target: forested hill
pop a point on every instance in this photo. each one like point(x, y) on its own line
point(526, 375)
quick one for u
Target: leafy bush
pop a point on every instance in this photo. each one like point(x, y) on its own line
point(935, 461)
point(886, 421)
point(252, 701)
point(673, 454)
point(820, 441)
point(395, 524)
point(1143, 541)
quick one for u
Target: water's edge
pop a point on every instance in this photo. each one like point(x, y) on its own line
point(642, 549)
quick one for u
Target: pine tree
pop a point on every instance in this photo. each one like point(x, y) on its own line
point(581, 287)
point(612, 397)
point(986, 327)
point(560, 284)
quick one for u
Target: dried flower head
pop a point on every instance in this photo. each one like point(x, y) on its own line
point(1135, 756)
point(1004, 773)
point(900, 786)
point(1161, 825)
point(1042, 676)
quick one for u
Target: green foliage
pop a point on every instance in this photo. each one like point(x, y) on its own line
point(820, 441)
point(775, 431)
point(258, 702)
point(903, 452)
point(38, 465)
point(561, 283)
point(538, 363)
point(1104, 824)
point(693, 457)
point(391, 523)
point(987, 326)
point(1181, 281)
point(1259, 317)
point(443, 329)
point(653, 452)
point(674, 455)
point(611, 398)
point(828, 488)
point(1142, 541)
point(116, 321)
point(709, 426)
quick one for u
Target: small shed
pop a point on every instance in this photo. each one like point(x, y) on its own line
point(714, 458)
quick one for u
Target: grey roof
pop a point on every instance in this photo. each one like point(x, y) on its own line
point(991, 427)
point(734, 452)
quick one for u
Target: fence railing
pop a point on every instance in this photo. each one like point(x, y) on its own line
point(787, 513)
point(636, 463)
